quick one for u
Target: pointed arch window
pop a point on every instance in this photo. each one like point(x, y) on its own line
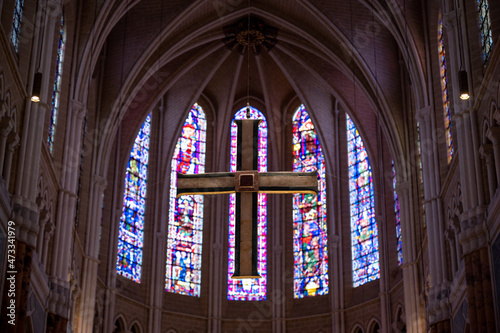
point(17, 20)
point(185, 227)
point(485, 29)
point(309, 212)
point(364, 231)
point(57, 83)
point(444, 90)
point(399, 246)
point(249, 289)
point(131, 230)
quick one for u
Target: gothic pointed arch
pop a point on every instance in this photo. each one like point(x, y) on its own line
point(364, 231)
point(185, 226)
point(131, 230)
point(249, 289)
point(310, 243)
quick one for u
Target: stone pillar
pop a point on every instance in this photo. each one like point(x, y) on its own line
point(493, 134)
point(438, 307)
point(44, 218)
point(414, 309)
point(55, 323)
point(12, 145)
point(486, 152)
point(478, 277)
point(91, 259)
point(4, 132)
point(443, 326)
point(473, 235)
point(59, 298)
point(16, 290)
point(450, 238)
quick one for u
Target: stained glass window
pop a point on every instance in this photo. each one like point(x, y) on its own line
point(485, 29)
point(399, 246)
point(57, 84)
point(16, 24)
point(420, 173)
point(444, 89)
point(131, 231)
point(310, 246)
point(185, 227)
point(364, 231)
point(249, 289)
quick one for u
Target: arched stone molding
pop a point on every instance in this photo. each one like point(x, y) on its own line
point(135, 327)
point(374, 326)
point(399, 322)
point(171, 331)
point(120, 324)
point(137, 79)
point(45, 222)
point(357, 328)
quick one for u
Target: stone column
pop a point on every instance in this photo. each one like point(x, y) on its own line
point(450, 238)
point(4, 132)
point(478, 276)
point(44, 218)
point(493, 134)
point(438, 295)
point(473, 235)
point(486, 152)
point(25, 210)
point(414, 309)
point(12, 145)
point(18, 282)
point(58, 302)
point(91, 260)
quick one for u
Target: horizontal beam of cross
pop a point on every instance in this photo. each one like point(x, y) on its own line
point(262, 182)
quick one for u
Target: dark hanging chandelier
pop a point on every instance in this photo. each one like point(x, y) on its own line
point(250, 32)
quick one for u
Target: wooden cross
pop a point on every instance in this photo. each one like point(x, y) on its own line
point(247, 182)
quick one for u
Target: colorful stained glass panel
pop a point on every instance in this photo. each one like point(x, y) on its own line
point(444, 89)
point(249, 289)
point(185, 228)
point(364, 231)
point(399, 246)
point(57, 84)
point(131, 230)
point(17, 20)
point(485, 29)
point(309, 213)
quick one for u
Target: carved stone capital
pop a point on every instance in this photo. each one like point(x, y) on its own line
point(423, 114)
point(486, 151)
point(100, 181)
point(54, 8)
point(334, 241)
point(449, 19)
point(474, 234)
point(439, 302)
point(13, 141)
point(449, 235)
point(6, 127)
point(493, 134)
point(79, 109)
point(402, 186)
point(58, 298)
